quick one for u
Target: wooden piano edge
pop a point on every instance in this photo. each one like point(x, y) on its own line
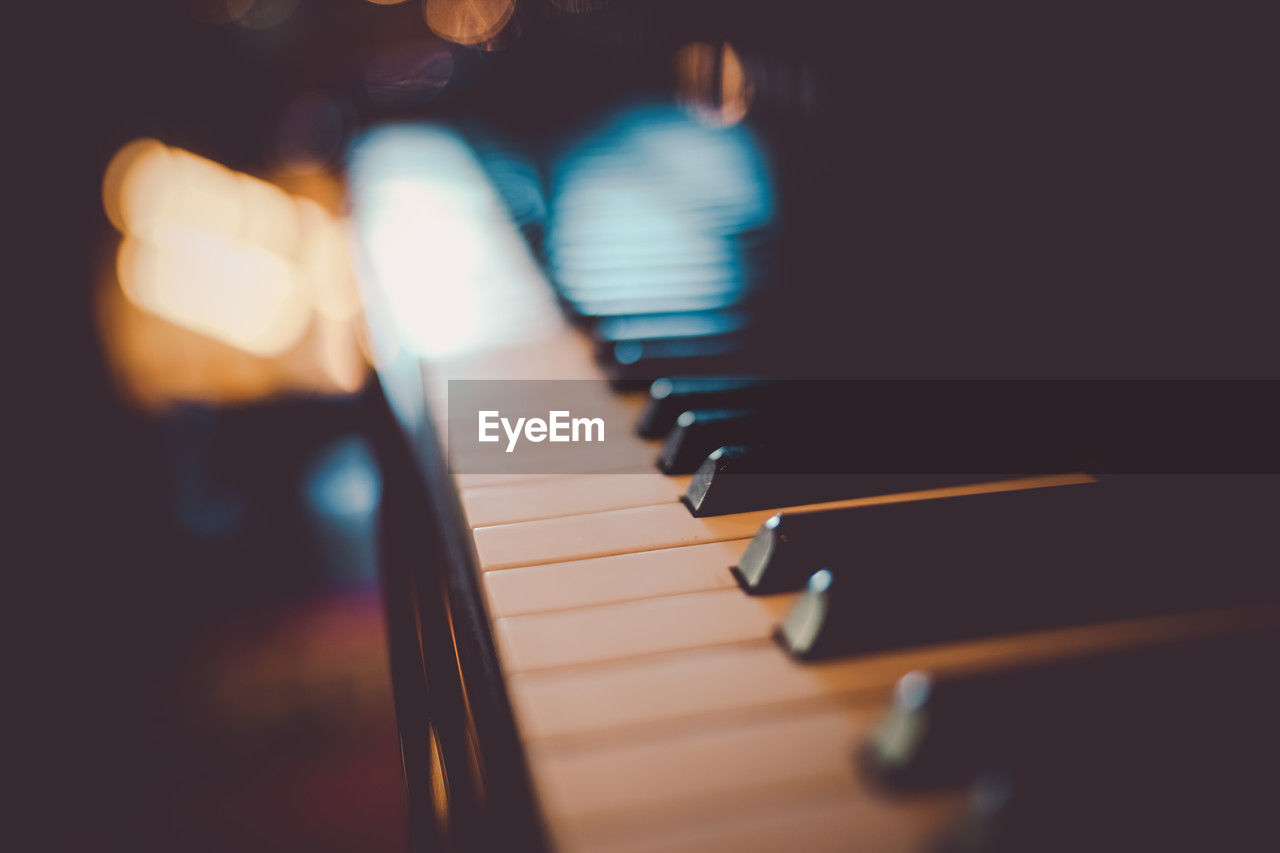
point(467, 781)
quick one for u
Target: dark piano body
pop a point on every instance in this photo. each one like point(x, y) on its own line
point(941, 193)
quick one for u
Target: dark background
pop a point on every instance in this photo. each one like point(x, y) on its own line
point(1094, 186)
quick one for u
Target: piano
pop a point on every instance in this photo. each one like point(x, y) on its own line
point(717, 651)
point(823, 587)
point(787, 618)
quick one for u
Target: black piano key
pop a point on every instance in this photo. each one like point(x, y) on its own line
point(1182, 761)
point(789, 416)
point(791, 546)
point(743, 478)
point(670, 396)
point(699, 431)
point(632, 363)
point(983, 565)
point(870, 427)
point(647, 326)
point(1118, 806)
point(592, 308)
point(943, 729)
point(611, 354)
point(727, 481)
point(669, 292)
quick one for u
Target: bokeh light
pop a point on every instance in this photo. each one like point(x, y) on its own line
point(475, 23)
point(323, 259)
point(655, 206)
point(712, 81)
point(142, 162)
point(235, 292)
point(226, 285)
point(454, 276)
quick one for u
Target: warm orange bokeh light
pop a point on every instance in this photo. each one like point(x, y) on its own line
point(323, 259)
point(149, 187)
point(142, 165)
point(214, 262)
point(468, 22)
point(712, 81)
point(240, 294)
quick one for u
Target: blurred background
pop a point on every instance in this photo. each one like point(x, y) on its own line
point(213, 672)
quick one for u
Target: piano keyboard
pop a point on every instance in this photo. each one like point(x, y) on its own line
point(657, 706)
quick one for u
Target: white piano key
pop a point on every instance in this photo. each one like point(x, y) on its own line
point(624, 454)
point(656, 693)
point(611, 631)
point(558, 352)
point(570, 495)
point(622, 577)
point(709, 763)
point(690, 780)
point(648, 528)
point(467, 482)
point(620, 531)
point(835, 817)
